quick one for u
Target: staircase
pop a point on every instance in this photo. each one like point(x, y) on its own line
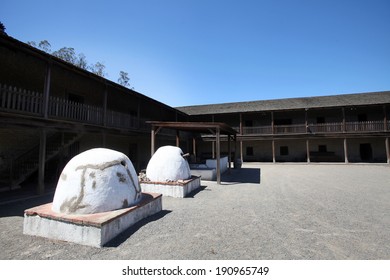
point(21, 167)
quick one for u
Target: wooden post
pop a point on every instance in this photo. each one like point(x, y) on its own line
point(387, 149)
point(46, 91)
point(272, 123)
point(241, 152)
point(213, 149)
point(345, 150)
point(306, 121)
point(229, 153)
point(384, 118)
point(42, 160)
point(194, 147)
point(308, 150)
point(152, 142)
point(177, 138)
point(218, 157)
point(273, 151)
point(235, 151)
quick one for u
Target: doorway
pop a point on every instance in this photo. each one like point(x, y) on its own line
point(365, 152)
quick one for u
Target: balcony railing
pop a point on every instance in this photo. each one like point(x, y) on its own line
point(31, 103)
point(322, 128)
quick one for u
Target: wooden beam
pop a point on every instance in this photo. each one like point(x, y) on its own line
point(235, 151)
point(273, 151)
point(308, 150)
point(152, 141)
point(218, 157)
point(229, 153)
point(346, 151)
point(387, 144)
point(306, 120)
point(177, 138)
point(194, 147)
point(241, 152)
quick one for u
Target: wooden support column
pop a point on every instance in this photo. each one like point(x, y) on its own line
point(213, 149)
point(177, 138)
point(218, 157)
point(152, 140)
point(345, 150)
point(42, 160)
point(194, 147)
point(308, 150)
point(306, 120)
point(387, 144)
point(241, 152)
point(46, 91)
point(273, 151)
point(272, 123)
point(235, 151)
point(241, 132)
point(229, 153)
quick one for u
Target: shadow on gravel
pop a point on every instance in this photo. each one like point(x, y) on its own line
point(17, 208)
point(122, 237)
point(195, 192)
point(242, 175)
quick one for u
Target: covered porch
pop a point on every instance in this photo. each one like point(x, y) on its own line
point(216, 129)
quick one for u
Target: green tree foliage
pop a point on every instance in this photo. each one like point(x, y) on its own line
point(98, 69)
point(2, 28)
point(124, 79)
point(45, 46)
point(32, 44)
point(66, 54)
point(80, 60)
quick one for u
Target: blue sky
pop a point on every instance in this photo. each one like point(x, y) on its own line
point(192, 52)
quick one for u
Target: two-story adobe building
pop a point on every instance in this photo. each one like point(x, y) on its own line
point(51, 110)
point(338, 128)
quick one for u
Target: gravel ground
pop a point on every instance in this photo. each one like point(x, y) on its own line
point(262, 211)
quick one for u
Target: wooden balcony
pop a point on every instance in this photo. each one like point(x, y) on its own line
point(19, 101)
point(322, 128)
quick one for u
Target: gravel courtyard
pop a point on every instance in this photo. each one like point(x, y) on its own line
point(262, 211)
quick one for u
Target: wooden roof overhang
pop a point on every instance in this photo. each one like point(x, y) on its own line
point(215, 128)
